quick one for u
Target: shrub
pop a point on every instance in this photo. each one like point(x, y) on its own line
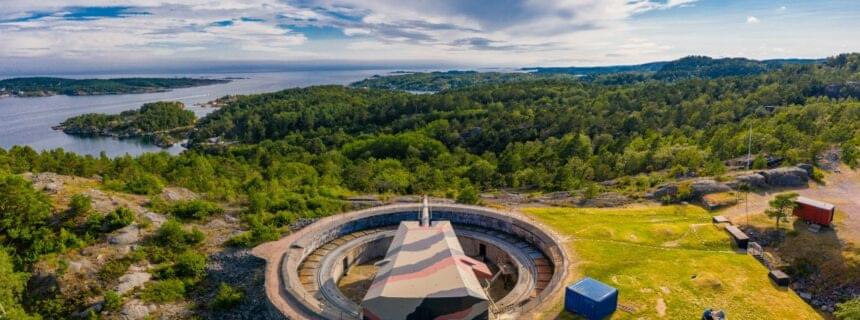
point(80, 204)
point(113, 301)
point(848, 310)
point(194, 209)
point(817, 175)
point(114, 269)
point(190, 265)
point(174, 238)
point(227, 296)
point(145, 184)
point(468, 195)
point(164, 291)
point(119, 218)
point(258, 234)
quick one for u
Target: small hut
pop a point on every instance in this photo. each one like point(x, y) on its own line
point(814, 211)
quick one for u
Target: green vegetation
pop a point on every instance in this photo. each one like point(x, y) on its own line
point(781, 206)
point(849, 310)
point(113, 301)
point(80, 205)
point(673, 254)
point(155, 121)
point(111, 221)
point(40, 87)
point(12, 285)
point(295, 155)
point(438, 81)
point(228, 297)
point(164, 291)
point(194, 209)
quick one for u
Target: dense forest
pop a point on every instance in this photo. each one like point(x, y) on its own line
point(156, 120)
point(427, 82)
point(40, 87)
point(684, 68)
point(299, 153)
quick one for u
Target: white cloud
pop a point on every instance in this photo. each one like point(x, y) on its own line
point(752, 20)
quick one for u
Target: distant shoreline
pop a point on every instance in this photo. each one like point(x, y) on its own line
point(36, 87)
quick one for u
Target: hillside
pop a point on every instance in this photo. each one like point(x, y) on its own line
point(278, 161)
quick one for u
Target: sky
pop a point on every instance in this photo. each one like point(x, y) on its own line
point(102, 34)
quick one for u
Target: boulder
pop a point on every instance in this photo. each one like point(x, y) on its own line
point(754, 180)
point(127, 235)
point(177, 194)
point(135, 310)
point(156, 219)
point(707, 186)
point(131, 281)
point(667, 190)
point(786, 177)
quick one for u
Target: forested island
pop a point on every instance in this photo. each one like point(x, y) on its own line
point(46, 86)
point(279, 160)
point(161, 123)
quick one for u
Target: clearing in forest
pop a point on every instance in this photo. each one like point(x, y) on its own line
point(669, 262)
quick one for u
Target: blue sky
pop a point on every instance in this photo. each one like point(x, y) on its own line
point(503, 33)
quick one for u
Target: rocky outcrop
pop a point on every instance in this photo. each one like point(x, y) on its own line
point(790, 177)
point(127, 235)
point(135, 310)
point(753, 180)
point(177, 194)
point(707, 186)
point(130, 281)
point(699, 188)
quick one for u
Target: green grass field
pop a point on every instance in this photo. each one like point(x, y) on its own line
point(669, 262)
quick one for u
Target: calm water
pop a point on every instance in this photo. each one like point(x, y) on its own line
point(28, 121)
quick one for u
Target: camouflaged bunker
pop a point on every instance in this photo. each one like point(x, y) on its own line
point(426, 275)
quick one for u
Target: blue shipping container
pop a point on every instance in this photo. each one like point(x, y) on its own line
point(591, 299)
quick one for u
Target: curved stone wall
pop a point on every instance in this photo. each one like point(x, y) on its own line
point(293, 298)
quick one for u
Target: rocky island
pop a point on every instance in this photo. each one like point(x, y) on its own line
point(162, 123)
point(47, 86)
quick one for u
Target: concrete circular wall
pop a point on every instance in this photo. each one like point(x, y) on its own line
point(539, 258)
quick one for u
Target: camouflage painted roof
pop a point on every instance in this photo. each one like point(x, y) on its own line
point(425, 267)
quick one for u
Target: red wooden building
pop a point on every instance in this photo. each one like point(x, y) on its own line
point(814, 211)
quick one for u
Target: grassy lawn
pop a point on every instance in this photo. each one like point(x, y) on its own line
point(669, 262)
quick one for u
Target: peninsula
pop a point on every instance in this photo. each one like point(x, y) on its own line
point(46, 86)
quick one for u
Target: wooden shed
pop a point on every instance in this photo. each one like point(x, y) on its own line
point(814, 211)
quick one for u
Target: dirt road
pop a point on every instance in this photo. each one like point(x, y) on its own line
point(841, 189)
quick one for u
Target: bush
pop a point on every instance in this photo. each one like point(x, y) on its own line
point(145, 184)
point(113, 301)
point(468, 195)
point(119, 218)
point(164, 291)
point(849, 310)
point(173, 237)
point(227, 297)
point(817, 175)
point(188, 265)
point(258, 234)
point(80, 204)
point(114, 269)
point(194, 209)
